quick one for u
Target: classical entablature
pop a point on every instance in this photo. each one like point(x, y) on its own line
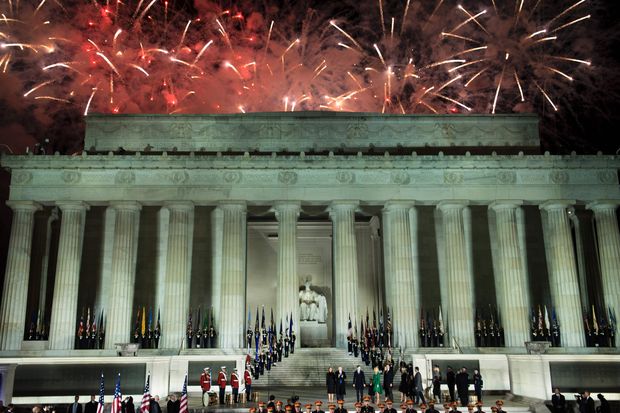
point(206, 179)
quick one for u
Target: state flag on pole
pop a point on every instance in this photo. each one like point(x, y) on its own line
point(145, 406)
point(101, 403)
point(184, 407)
point(116, 403)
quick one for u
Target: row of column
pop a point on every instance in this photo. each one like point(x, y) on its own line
point(401, 270)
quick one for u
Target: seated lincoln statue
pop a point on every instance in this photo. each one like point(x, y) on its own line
point(312, 305)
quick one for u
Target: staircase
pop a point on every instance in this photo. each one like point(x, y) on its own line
point(308, 366)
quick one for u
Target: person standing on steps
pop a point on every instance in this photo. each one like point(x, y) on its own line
point(376, 385)
point(341, 384)
point(205, 385)
point(451, 380)
point(359, 383)
point(418, 386)
point(437, 383)
point(478, 383)
point(330, 382)
point(388, 381)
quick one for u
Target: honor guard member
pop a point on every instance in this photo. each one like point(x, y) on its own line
point(317, 406)
point(261, 407)
point(205, 385)
point(234, 383)
point(367, 408)
point(340, 408)
point(455, 407)
point(431, 407)
point(470, 408)
point(252, 409)
point(403, 408)
point(358, 407)
point(446, 407)
point(293, 339)
point(389, 408)
point(494, 409)
point(278, 406)
point(331, 407)
point(423, 407)
point(270, 409)
point(381, 407)
point(247, 380)
point(248, 336)
point(288, 408)
point(479, 407)
point(297, 407)
point(410, 408)
point(221, 382)
point(308, 407)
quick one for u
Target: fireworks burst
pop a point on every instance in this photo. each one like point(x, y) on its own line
point(517, 52)
point(156, 56)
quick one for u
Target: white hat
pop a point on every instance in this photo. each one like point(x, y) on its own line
point(223, 367)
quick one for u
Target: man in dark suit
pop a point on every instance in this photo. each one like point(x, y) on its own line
point(388, 381)
point(558, 401)
point(418, 386)
point(451, 380)
point(154, 406)
point(359, 383)
point(586, 404)
point(462, 386)
point(75, 407)
point(91, 406)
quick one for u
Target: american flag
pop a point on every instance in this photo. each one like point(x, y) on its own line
point(183, 408)
point(116, 403)
point(101, 403)
point(146, 398)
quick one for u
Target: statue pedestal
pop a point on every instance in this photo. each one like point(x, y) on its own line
point(314, 334)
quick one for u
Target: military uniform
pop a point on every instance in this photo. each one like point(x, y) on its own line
point(221, 382)
point(340, 408)
point(317, 407)
point(205, 385)
point(367, 408)
point(389, 408)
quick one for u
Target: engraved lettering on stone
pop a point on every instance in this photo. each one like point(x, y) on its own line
point(21, 178)
point(287, 177)
point(125, 177)
point(181, 130)
point(179, 177)
point(308, 258)
point(400, 178)
point(607, 177)
point(232, 177)
point(70, 177)
point(559, 177)
point(452, 178)
point(357, 131)
point(270, 131)
point(506, 177)
point(345, 177)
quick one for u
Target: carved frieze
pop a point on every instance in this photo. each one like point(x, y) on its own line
point(345, 177)
point(287, 177)
point(400, 178)
point(125, 177)
point(452, 178)
point(22, 177)
point(232, 177)
point(70, 177)
point(558, 177)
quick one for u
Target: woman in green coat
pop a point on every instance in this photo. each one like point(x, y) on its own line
point(376, 384)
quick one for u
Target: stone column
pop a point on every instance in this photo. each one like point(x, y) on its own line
point(401, 285)
point(15, 292)
point(511, 284)
point(288, 285)
point(563, 278)
point(342, 214)
point(233, 287)
point(178, 271)
point(67, 281)
point(118, 322)
point(608, 251)
point(458, 279)
point(217, 232)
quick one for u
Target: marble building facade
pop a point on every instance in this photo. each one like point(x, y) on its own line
point(231, 212)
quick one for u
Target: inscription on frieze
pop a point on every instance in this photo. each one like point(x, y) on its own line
point(307, 258)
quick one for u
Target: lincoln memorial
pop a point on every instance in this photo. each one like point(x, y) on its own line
point(451, 223)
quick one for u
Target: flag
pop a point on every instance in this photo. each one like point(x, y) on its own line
point(290, 326)
point(594, 323)
point(249, 319)
point(88, 322)
point(554, 317)
point(262, 321)
point(146, 397)
point(116, 403)
point(256, 329)
point(612, 319)
point(349, 327)
point(158, 325)
point(440, 322)
point(143, 326)
point(183, 408)
point(137, 325)
point(150, 325)
point(80, 331)
point(101, 403)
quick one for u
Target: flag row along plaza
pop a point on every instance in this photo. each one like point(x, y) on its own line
point(289, 243)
